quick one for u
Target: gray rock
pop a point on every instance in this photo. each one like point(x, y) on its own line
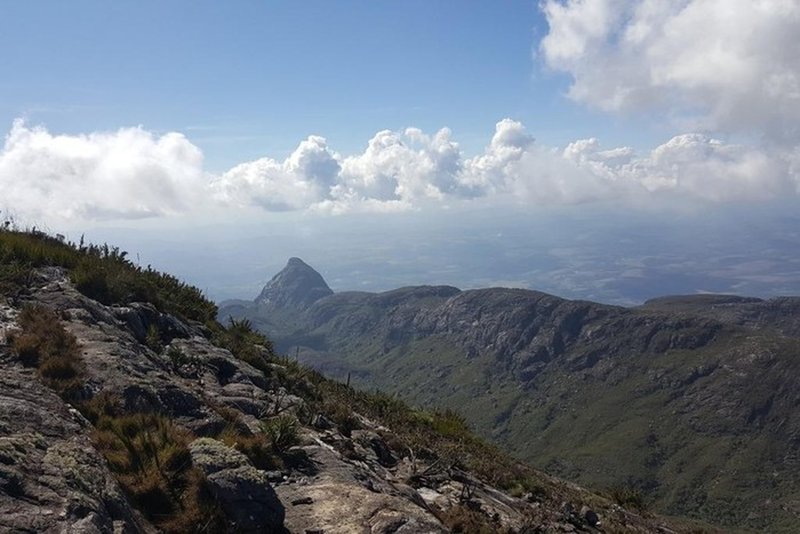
point(244, 492)
point(52, 479)
point(591, 517)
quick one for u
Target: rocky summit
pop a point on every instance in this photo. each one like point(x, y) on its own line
point(296, 286)
point(125, 407)
point(689, 402)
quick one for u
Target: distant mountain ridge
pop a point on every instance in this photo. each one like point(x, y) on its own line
point(691, 399)
point(136, 412)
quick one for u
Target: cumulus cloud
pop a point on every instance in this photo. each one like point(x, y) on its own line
point(133, 173)
point(130, 173)
point(694, 166)
point(304, 178)
point(396, 171)
point(730, 64)
point(403, 170)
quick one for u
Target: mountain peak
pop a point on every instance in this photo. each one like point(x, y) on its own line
point(295, 261)
point(297, 285)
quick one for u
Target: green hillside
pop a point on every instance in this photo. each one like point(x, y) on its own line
point(691, 401)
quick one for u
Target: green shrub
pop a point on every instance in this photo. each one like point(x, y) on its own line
point(282, 431)
point(450, 424)
point(153, 339)
point(245, 344)
point(256, 447)
point(461, 518)
point(179, 358)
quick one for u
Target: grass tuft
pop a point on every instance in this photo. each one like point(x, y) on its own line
point(45, 344)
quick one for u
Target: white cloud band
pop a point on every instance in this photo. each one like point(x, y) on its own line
point(133, 173)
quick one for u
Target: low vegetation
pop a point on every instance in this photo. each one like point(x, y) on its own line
point(150, 457)
point(245, 343)
point(43, 343)
point(146, 451)
point(629, 497)
point(100, 272)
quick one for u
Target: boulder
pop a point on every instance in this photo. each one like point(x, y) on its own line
point(243, 492)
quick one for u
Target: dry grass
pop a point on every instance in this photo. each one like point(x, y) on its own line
point(150, 457)
point(44, 344)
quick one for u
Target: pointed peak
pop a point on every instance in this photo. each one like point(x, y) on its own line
point(297, 285)
point(294, 261)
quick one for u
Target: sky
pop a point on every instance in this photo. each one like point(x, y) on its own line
point(593, 148)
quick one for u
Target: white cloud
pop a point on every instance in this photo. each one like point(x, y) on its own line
point(395, 171)
point(729, 64)
point(495, 169)
point(403, 170)
point(694, 166)
point(304, 178)
point(130, 173)
point(133, 173)
point(404, 166)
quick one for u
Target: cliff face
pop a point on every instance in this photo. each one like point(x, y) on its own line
point(691, 400)
point(121, 418)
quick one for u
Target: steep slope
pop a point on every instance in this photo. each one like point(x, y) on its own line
point(692, 400)
point(121, 417)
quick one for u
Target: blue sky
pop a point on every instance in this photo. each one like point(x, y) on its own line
point(179, 128)
point(246, 79)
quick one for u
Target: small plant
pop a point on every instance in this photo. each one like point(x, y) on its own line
point(245, 344)
point(153, 339)
point(282, 432)
point(257, 447)
point(449, 423)
point(462, 518)
point(180, 358)
point(344, 418)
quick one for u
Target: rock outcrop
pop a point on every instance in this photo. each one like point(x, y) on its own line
point(52, 479)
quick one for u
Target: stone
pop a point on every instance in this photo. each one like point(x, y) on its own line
point(590, 516)
point(52, 479)
point(244, 492)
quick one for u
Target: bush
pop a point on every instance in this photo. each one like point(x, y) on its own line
point(461, 518)
point(256, 447)
point(153, 339)
point(46, 345)
point(179, 358)
point(282, 432)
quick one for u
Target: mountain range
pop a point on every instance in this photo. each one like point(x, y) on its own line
point(126, 407)
point(691, 400)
